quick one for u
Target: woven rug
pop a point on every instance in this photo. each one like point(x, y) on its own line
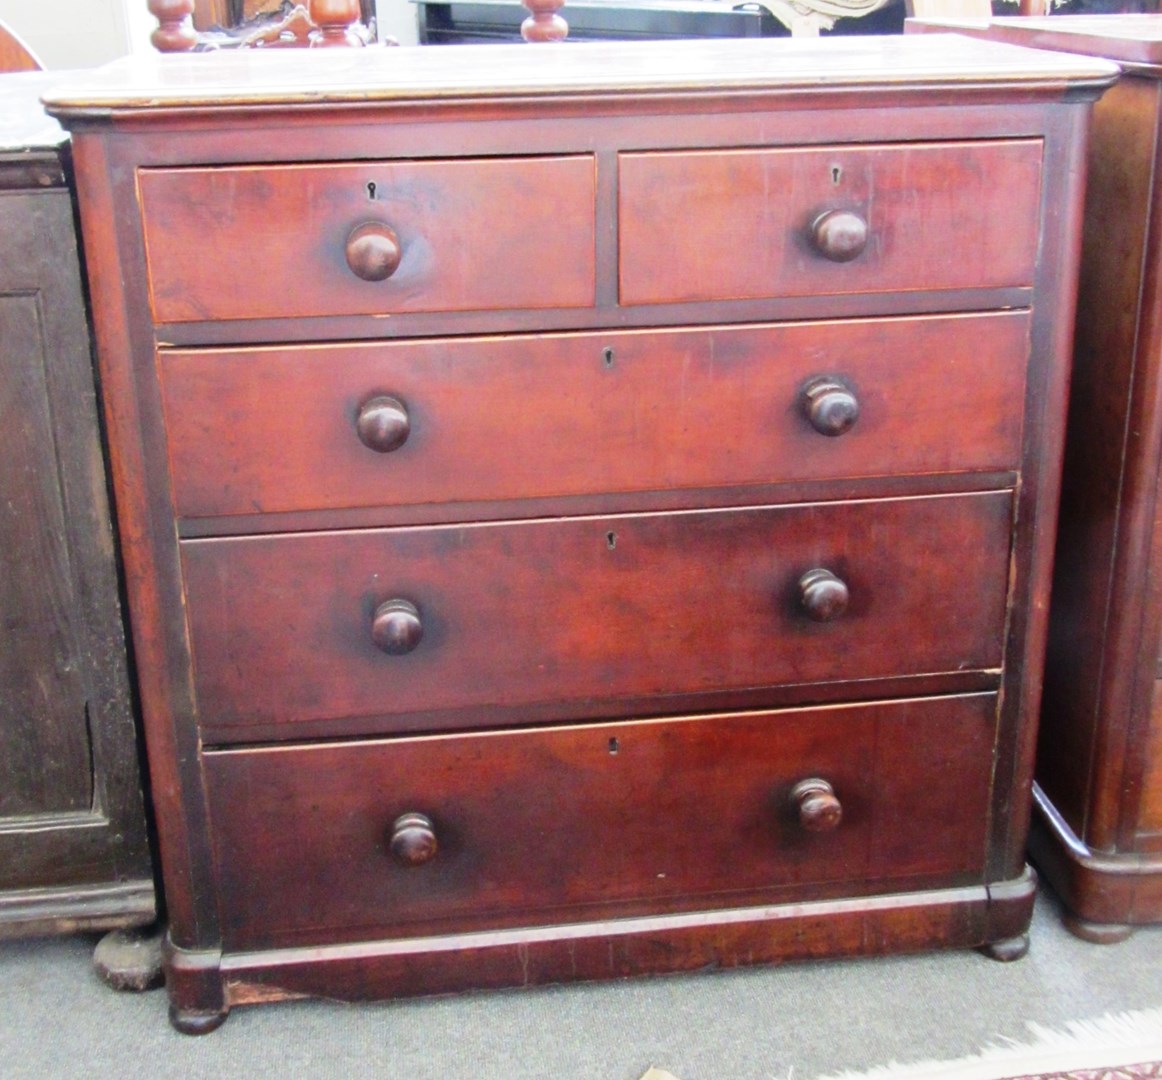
point(1120, 1046)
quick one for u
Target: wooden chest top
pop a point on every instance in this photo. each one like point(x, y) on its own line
point(1134, 40)
point(621, 69)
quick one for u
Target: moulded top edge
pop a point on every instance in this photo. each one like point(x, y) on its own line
point(427, 73)
point(1132, 39)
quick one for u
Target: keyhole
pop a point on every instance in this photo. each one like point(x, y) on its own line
point(614, 746)
point(611, 540)
point(371, 189)
point(836, 173)
point(607, 356)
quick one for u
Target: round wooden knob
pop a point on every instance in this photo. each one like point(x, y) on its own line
point(840, 235)
point(413, 839)
point(816, 805)
point(373, 251)
point(830, 405)
point(382, 424)
point(396, 627)
point(823, 595)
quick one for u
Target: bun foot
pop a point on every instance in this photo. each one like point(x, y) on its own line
point(1098, 933)
point(130, 959)
point(191, 1022)
point(1007, 949)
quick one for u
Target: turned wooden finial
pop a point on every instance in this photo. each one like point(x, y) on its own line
point(336, 20)
point(175, 31)
point(323, 24)
point(544, 24)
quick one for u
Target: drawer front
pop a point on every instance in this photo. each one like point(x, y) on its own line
point(746, 224)
point(528, 824)
point(519, 417)
point(508, 616)
point(469, 235)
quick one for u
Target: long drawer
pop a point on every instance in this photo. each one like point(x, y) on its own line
point(368, 238)
point(751, 223)
point(399, 623)
point(337, 426)
point(389, 837)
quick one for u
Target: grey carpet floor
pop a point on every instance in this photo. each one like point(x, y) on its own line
point(793, 1022)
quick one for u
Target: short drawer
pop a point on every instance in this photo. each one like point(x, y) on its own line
point(393, 837)
point(252, 242)
point(747, 224)
point(401, 624)
point(417, 422)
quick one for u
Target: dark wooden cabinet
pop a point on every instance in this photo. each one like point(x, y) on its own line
point(591, 506)
point(73, 849)
point(1098, 826)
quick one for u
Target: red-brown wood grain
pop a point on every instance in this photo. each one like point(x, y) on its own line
point(651, 810)
point(254, 242)
point(542, 416)
point(1097, 766)
point(553, 598)
point(617, 948)
point(1046, 397)
point(1105, 894)
point(15, 55)
point(148, 548)
point(1086, 687)
point(738, 224)
point(517, 614)
point(1150, 814)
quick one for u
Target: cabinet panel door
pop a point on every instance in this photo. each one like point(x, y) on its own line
point(44, 742)
point(72, 830)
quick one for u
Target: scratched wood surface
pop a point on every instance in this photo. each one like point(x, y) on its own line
point(581, 585)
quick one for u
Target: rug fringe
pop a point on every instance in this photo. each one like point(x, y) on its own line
point(1108, 1041)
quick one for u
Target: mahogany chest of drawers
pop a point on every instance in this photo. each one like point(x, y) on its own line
point(1097, 829)
point(587, 509)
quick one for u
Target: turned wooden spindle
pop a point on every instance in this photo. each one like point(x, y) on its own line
point(337, 21)
point(544, 24)
point(175, 31)
point(315, 24)
point(322, 24)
